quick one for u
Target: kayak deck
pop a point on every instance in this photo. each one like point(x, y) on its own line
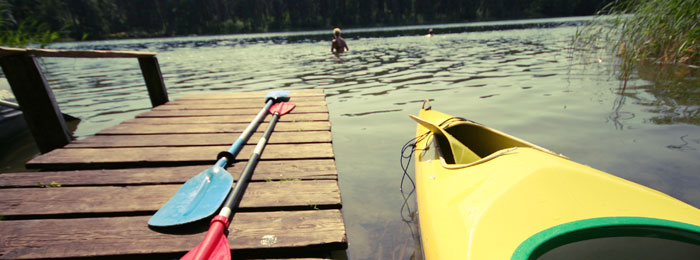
point(494, 203)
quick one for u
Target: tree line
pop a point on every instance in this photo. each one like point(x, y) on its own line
point(101, 19)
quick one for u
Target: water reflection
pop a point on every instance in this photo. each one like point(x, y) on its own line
point(669, 91)
point(674, 93)
point(687, 144)
point(617, 116)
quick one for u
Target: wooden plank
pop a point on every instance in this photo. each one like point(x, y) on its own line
point(5, 51)
point(233, 104)
point(92, 158)
point(218, 112)
point(35, 97)
point(297, 93)
point(311, 230)
point(265, 170)
point(175, 140)
point(154, 80)
point(153, 118)
point(191, 99)
point(147, 199)
point(210, 128)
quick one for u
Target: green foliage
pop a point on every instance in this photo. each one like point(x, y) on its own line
point(660, 31)
point(656, 41)
point(28, 31)
point(53, 184)
point(5, 14)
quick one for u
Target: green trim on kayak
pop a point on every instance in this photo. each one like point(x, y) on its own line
point(563, 234)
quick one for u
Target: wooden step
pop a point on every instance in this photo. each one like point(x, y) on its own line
point(91, 158)
point(265, 171)
point(64, 202)
point(262, 234)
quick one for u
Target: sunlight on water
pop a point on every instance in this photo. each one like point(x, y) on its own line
point(522, 82)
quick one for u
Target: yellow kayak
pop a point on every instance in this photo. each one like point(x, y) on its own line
point(483, 194)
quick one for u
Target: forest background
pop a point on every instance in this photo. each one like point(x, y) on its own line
point(111, 19)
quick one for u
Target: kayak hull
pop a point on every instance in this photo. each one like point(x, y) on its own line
point(495, 205)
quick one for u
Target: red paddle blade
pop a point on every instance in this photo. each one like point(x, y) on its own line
point(221, 251)
point(214, 245)
point(282, 108)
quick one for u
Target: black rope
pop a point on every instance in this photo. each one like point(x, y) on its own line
point(448, 122)
point(407, 155)
point(409, 147)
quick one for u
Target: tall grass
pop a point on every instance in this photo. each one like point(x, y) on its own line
point(26, 32)
point(658, 31)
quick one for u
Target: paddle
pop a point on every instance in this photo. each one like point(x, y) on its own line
point(203, 194)
point(215, 245)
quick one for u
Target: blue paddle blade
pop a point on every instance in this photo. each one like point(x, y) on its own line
point(277, 96)
point(200, 197)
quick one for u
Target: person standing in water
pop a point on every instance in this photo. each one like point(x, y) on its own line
point(338, 45)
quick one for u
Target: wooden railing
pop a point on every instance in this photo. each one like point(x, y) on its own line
point(37, 101)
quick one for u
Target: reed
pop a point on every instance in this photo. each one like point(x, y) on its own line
point(658, 31)
point(25, 32)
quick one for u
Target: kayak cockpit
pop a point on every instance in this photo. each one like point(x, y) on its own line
point(614, 237)
point(481, 140)
point(462, 142)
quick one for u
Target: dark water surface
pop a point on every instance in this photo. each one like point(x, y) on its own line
point(521, 81)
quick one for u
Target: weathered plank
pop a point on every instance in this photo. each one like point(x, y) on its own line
point(265, 170)
point(92, 158)
point(154, 118)
point(266, 232)
point(256, 101)
point(293, 94)
point(98, 141)
point(147, 199)
point(210, 128)
point(230, 104)
point(5, 51)
point(219, 112)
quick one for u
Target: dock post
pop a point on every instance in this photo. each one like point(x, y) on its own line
point(36, 100)
point(154, 80)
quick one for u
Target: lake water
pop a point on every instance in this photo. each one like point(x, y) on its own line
point(518, 77)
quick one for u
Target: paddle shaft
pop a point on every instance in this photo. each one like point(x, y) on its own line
point(243, 138)
point(221, 222)
point(234, 199)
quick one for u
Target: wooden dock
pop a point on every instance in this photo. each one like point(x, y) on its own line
point(112, 182)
